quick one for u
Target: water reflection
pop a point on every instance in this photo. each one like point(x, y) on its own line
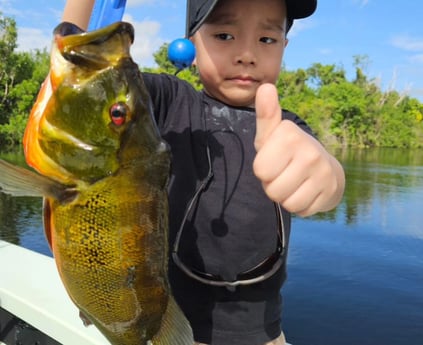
point(21, 218)
point(385, 191)
point(21, 222)
point(354, 274)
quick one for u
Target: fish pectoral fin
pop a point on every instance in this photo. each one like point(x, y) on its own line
point(18, 181)
point(84, 318)
point(175, 328)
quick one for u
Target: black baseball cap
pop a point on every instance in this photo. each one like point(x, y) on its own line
point(198, 11)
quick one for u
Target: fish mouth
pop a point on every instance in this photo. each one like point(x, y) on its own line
point(95, 49)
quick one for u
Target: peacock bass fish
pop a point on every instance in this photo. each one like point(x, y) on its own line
point(103, 171)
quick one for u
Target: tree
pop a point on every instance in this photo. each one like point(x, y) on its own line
point(8, 39)
point(21, 75)
point(360, 63)
point(341, 112)
point(321, 75)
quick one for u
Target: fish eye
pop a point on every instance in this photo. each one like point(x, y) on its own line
point(118, 113)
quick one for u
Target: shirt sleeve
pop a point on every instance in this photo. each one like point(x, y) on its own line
point(166, 91)
point(288, 115)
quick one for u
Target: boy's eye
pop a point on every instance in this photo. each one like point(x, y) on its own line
point(224, 37)
point(267, 40)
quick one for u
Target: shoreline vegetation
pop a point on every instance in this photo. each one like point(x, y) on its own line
point(343, 113)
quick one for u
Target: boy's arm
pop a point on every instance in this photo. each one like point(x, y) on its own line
point(294, 168)
point(78, 12)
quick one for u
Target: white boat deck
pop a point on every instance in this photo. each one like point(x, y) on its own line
point(30, 288)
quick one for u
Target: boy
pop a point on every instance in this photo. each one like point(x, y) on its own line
point(240, 167)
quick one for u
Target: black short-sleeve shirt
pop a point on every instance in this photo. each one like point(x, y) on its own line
point(234, 225)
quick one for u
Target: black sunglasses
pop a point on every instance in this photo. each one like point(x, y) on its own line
point(260, 272)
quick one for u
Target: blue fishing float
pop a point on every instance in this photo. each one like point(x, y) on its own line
point(181, 52)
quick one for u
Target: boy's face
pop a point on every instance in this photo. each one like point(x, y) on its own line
point(239, 47)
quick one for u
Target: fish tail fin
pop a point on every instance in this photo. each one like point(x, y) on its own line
point(19, 181)
point(175, 328)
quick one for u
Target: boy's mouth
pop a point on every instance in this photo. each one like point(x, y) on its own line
point(243, 80)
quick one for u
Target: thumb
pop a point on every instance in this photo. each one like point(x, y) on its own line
point(268, 113)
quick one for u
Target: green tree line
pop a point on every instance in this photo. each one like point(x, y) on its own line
point(21, 75)
point(342, 112)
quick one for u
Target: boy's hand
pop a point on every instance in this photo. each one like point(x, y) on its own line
point(294, 168)
point(78, 12)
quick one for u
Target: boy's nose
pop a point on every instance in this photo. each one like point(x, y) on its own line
point(246, 55)
point(246, 59)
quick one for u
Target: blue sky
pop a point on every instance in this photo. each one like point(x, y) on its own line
point(389, 33)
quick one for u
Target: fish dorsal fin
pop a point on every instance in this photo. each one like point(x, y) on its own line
point(175, 329)
point(19, 181)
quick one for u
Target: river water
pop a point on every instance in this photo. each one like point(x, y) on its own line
point(355, 275)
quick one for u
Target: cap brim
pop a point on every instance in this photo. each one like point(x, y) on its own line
point(298, 9)
point(199, 10)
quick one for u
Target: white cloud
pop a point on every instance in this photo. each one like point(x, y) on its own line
point(6, 7)
point(361, 3)
point(417, 58)
point(32, 38)
point(408, 43)
point(299, 26)
point(147, 40)
point(326, 51)
point(134, 3)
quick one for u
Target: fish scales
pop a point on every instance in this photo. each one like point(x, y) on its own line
point(103, 268)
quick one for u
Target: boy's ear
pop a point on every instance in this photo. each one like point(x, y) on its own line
point(194, 62)
point(286, 42)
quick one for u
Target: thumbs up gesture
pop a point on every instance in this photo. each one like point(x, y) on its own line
point(294, 168)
